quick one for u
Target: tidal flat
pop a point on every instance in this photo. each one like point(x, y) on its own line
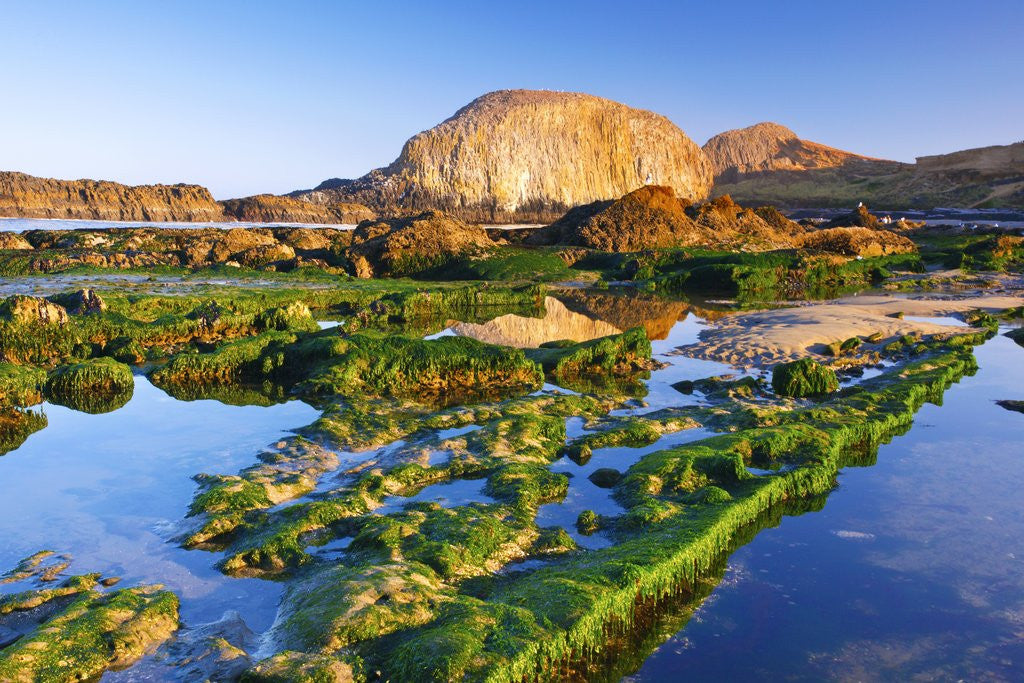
point(306, 476)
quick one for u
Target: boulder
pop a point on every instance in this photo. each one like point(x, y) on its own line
point(804, 377)
point(30, 309)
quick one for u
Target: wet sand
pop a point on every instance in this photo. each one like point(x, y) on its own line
point(768, 337)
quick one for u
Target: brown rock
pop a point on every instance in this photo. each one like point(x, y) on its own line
point(395, 246)
point(528, 156)
point(26, 196)
point(14, 241)
point(652, 217)
point(767, 147)
point(30, 309)
point(268, 208)
point(857, 241)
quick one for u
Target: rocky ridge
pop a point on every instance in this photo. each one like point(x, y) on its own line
point(25, 196)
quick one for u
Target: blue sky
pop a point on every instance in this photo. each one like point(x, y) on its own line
point(248, 97)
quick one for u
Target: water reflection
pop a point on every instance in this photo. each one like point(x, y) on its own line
point(110, 489)
point(914, 569)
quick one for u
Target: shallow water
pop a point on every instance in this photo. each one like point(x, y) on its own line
point(111, 489)
point(915, 567)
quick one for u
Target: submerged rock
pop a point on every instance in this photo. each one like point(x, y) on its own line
point(1016, 406)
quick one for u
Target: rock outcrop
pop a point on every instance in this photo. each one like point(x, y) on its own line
point(768, 164)
point(52, 251)
point(269, 208)
point(767, 147)
point(528, 156)
point(653, 217)
point(400, 245)
point(857, 241)
point(32, 310)
point(26, 196)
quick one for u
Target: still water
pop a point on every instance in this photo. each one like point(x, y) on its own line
point(111, 489)
point(914, 570)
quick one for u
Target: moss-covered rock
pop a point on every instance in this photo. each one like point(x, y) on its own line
point(804, 377)
point(79, 631)
point(94, 386)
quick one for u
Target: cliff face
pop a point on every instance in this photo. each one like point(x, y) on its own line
point(268, 208)
point(528, 156)
point(26, 196)
point(767, 147)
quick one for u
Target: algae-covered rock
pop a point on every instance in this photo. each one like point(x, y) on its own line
point(21, 385)
point(289, 666)
point(71, 630)
point(295, 316)
point(616, 354)
point(804, 377)
point(31, 310)
point(99, 385)
point(82, 302)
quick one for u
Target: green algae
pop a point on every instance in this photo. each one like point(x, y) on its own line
point(804, 377)
point(684, 508)
point(16, 425)
point(620, 353)
point(21, 385)
point(74, 630)
point(94, 386)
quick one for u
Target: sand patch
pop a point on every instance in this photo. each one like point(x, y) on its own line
point(769, 337)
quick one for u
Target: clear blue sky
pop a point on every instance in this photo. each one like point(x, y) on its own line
point(248, 97)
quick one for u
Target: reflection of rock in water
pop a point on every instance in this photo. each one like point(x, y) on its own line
point(519, 331)
point(655, 315)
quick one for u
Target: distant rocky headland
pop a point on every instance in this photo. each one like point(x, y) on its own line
point(25, 196)
point(529, 156)
point(768, 163)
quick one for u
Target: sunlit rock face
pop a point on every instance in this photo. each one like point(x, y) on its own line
point(528, 156)
point(522, 332)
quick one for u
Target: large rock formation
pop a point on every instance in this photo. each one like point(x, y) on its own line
point(768, 163)
point(767, 147)
point(25, 196)
point(653, 217)
point(528, 156)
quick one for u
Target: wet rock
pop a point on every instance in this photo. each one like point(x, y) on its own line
point(213, 652)
point(299, 666)
point(30, 309)
point(82, 302)
point(804, 377)
point(605, 477)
